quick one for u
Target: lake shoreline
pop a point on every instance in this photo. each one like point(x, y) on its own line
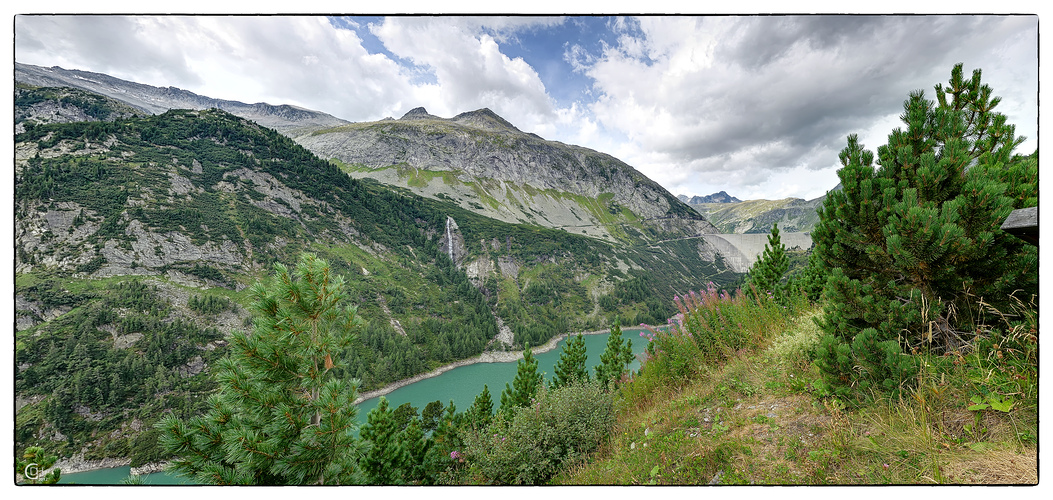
point(485, 357)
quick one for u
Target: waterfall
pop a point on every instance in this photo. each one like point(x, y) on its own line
point(449, 238)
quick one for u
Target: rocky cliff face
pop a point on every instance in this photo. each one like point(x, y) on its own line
point(491, 167)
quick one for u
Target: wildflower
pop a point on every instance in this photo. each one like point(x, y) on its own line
point(454, 455)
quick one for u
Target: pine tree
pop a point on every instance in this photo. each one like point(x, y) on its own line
point(280, 416)
point(482, 410)
point(524, 386)
point(911, 241)
point(571, 367)
point(766, 274)
point(440, 459)
point(431, 415)
point(615, 358)
point(404, 415)
point(416, 443)
point(386, 460)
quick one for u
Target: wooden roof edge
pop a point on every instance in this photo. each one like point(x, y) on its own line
point(1023, 223)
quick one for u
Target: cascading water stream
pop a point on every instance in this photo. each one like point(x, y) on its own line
point(449, 238)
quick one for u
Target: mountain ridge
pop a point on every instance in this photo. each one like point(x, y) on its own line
point(288, 119)
point(487, 164)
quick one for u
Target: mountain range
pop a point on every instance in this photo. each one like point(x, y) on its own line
point(793, 215)
point(287, 119)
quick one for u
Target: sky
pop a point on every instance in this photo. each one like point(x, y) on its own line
point(755, 105)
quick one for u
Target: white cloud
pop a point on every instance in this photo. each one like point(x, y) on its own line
point(749, 103)
point(275, 59)
point(760, 100)
point(470, 68)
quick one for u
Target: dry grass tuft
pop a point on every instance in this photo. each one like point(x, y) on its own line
point(994, 467)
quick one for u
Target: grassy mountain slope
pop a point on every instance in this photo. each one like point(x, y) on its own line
point(480, 161)
point(64, 105)
point(762, 418)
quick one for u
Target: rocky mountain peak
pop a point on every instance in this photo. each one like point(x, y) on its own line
point(486, 119)
point(419, 113)
point(721, 197)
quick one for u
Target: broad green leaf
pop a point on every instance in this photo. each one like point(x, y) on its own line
point(1000, 405)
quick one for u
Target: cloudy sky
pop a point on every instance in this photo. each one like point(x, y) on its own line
point(757, 106)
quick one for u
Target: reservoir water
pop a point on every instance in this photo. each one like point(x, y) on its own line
point(463, 383)
point(460, 385)
point(117, 474)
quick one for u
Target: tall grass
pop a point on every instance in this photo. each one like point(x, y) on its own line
point(710, 327)
point(729, 394)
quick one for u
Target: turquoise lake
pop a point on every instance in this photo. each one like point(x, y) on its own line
point(118, 474)
point(463, 383)
point(460, 385)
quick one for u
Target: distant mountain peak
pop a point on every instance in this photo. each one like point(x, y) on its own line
point(721, 197)
point(419, 113)
point(484, 118)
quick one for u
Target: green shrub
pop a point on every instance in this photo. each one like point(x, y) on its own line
point(562, 427)
point(145, 448)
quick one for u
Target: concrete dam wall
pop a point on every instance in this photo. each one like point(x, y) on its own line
point(740, 251)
